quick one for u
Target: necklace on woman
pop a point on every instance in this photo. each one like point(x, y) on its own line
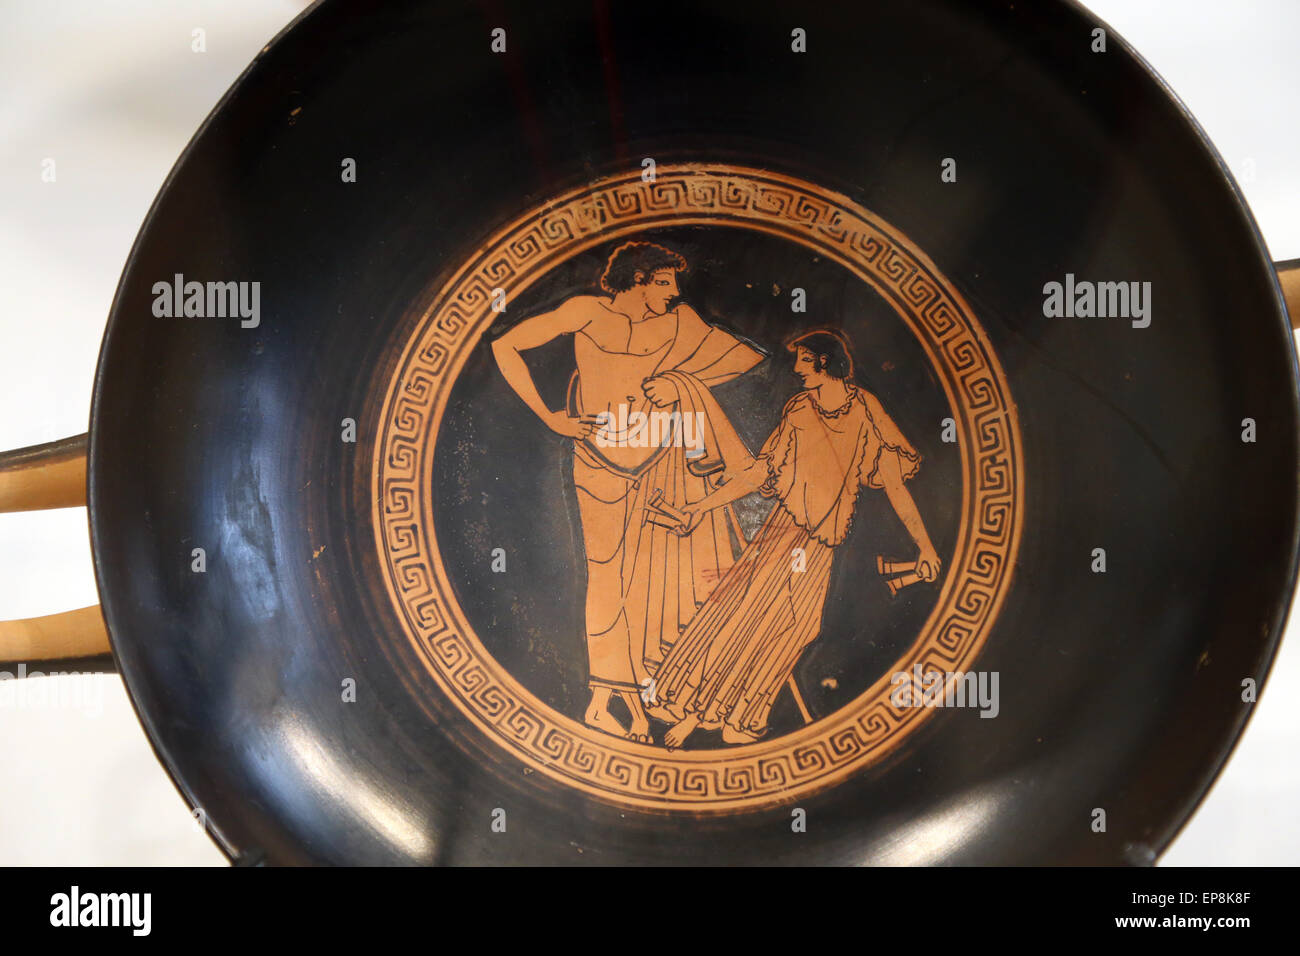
point(848, 401)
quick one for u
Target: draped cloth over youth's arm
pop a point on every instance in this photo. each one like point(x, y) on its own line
point(711, 354)
point(717, 447)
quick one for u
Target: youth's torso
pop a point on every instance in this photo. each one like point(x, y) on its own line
point(615, 356)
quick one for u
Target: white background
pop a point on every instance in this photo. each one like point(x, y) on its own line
point(113, 93)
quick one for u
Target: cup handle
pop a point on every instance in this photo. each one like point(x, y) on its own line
point(37, 478)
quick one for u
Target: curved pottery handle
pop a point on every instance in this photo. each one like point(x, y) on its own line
point(35, 479)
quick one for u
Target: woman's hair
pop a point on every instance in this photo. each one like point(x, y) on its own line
point(830, 350)
point(630, 258)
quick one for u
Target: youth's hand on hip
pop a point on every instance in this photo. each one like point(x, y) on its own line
point(927, 564)
point(579, 428)
point(660, 390)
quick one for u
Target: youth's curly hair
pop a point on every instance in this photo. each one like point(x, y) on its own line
point(630, 258)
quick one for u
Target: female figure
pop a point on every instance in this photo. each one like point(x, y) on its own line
point(741, 646)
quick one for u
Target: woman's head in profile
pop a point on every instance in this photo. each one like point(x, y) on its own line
point(822, 355)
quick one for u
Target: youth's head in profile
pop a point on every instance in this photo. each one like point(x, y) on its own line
point(645, 272)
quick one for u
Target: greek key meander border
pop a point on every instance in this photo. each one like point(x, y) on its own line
point(827, 750)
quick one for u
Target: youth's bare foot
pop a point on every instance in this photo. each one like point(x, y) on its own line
point(602, 719)
point(640, 729)
point(640, 735)
point(730, 735)
point(679, 731)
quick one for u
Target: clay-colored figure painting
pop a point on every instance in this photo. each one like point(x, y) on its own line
point(679, 625)
point(678, 475)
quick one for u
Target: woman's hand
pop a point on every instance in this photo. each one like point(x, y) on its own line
point(927, 564)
